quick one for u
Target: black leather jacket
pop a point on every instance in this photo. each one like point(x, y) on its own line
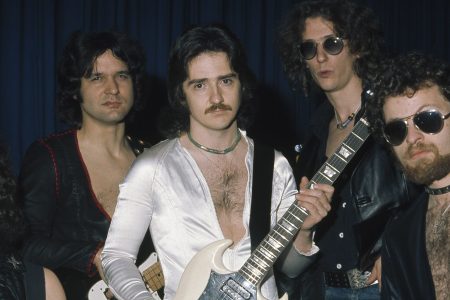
point(68, 225)
point(371, 183)
point(406, 270)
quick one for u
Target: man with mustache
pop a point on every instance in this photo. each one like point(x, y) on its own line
point(196, 187)
point(69, 181)
point(411, 111)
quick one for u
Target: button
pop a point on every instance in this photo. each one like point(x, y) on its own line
point(339, 266)
point(341, 235)
point(344, 204)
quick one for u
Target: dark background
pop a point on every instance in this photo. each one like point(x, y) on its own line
point(33, 33)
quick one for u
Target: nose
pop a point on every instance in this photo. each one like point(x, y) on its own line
point(413, 134)
point(112, 87)
point(216, 94)
point(321, 55)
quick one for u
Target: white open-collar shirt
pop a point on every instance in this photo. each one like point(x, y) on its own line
point(166, 192)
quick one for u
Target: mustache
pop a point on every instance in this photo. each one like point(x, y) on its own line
point(412, 149)
point(217, 106)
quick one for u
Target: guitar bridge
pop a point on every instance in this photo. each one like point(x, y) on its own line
point(235, 290)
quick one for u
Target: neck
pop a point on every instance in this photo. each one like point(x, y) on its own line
point(109, 138)
point(226, 150)
point(347, 100)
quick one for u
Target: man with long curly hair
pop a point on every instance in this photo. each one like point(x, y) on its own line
point(411, 112)
point(333, 47)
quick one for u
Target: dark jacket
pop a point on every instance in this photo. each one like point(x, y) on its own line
point(406, 273)
point(20, 280)
point(68, 225)
point(371, 183)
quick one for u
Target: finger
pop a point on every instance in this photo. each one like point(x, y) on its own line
point(303, 183)
point(371, 279)
point(315, 197)
point(315, 208)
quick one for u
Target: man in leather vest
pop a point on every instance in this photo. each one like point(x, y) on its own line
point(411, 112)
point(333, 47)
point(69, 180)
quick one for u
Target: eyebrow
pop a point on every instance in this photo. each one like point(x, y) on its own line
point(200, 80)
point(322, 38)
point(118, 72)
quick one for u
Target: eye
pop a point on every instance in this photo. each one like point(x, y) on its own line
point(95, 78)
point(124, 75)
point(227, 81)
point(199, 85)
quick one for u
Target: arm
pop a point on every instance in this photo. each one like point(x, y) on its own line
point(129, 224)
point(53, 287)
point(302, 253)
point(39, 191)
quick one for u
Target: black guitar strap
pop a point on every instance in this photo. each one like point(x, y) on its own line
point(263, 161)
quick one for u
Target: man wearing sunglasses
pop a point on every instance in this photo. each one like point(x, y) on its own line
point(334, 46)
point(411, 111)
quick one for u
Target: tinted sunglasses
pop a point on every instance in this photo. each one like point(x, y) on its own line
point(428, 121)
point(332, 45)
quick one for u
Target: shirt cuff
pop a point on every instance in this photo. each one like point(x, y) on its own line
point(314, 249)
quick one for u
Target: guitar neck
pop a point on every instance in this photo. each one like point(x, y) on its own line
point(264, 256)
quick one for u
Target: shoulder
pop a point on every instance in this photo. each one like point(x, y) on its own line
point(53, 142)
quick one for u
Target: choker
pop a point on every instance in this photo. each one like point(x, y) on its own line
point(215, 151)
point(343, 125)
point(438, 191)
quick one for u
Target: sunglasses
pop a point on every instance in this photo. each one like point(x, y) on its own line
point(332, 45)
point(428, 121)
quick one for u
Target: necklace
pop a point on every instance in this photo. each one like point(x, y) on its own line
point(216, 151)
point(438, 191)
point(343, 125)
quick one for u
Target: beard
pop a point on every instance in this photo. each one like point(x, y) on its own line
point(426, 171)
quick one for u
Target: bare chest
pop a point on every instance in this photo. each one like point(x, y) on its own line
point(105, 177)
point(335, 138)
point(227, 183)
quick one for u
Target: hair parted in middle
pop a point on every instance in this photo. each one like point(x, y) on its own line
point(192, 43)
point(357, 24)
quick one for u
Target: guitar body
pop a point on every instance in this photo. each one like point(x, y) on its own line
point(205, 278)
point(98, 290)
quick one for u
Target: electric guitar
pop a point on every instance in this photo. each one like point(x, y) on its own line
point(151, 274)
point(206, 277)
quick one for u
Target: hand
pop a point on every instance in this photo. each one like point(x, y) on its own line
point(317, 202)
point(376, 273)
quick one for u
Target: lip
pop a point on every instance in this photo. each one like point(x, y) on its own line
point(417, 154)
point(112, 104)
point(324, 73)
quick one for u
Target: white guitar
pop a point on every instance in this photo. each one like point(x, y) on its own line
point(151, 274)
point(206, 277)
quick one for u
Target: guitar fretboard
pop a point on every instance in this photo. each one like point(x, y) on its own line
point(264, 256)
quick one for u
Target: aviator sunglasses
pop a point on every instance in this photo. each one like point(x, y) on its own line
point(428, 121)
point(332, 45)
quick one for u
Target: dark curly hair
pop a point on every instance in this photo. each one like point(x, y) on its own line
point(192, 43)
point(78, 60)
point(356, 23)
point(405, 75)
point(12, 221)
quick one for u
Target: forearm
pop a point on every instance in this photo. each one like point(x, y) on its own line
point(299, 255)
